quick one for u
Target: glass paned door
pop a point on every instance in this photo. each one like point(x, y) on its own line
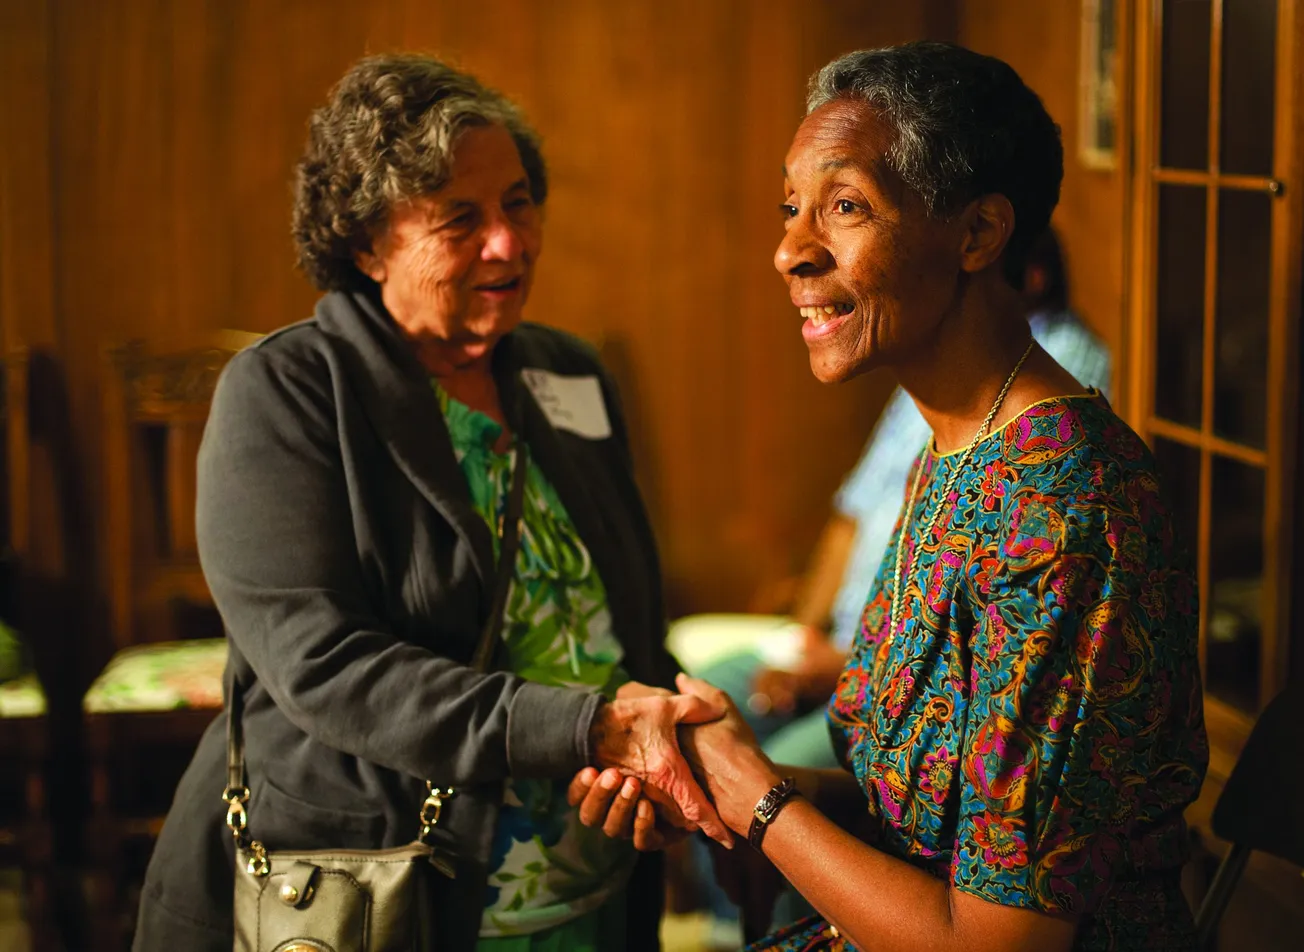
point(1211, 308)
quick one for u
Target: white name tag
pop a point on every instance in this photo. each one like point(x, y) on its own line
point(570, 403)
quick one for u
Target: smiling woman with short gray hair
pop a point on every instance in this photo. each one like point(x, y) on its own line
point(1019, 722)
point(1020, 716)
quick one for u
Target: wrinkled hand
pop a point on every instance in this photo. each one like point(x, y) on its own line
point(637, 734)
point(726, 755)
point(774, 692)
point(612, 802)
point(633, 689)
point(820, 666)
point(809, 681)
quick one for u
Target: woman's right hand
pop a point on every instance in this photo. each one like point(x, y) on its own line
point(637, 734)
point(613, 802)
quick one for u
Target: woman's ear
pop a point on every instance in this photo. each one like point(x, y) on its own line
point(371, 264)
point(989, 224)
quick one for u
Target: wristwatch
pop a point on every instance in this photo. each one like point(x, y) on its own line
point(768, 807)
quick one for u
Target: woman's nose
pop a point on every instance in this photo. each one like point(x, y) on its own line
point(800, 251)
point(502, 240)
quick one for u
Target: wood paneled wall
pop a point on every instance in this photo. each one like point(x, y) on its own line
point(27, 285)
point(144, 189)
point(148, 150)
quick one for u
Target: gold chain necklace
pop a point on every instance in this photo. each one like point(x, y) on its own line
point(894, 620)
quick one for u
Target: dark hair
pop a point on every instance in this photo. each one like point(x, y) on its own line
point(387, 135)
point(966, 126)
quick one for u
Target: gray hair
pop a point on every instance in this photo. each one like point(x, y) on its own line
point(965, 125)
point(387, 135)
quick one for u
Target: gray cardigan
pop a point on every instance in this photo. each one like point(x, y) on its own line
point(353, 577)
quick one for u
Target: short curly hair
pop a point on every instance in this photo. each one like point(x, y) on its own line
point(387, 135)
point(966, 125)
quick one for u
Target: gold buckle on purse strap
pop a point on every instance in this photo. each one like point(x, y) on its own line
point(433, 807)
point(237, 818)
point(235, 799)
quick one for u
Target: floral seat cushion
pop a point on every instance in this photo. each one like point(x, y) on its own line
point(22, 697)
point(168, 676)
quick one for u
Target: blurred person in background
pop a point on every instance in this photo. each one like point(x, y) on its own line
point(352, 477)
point(780, 671)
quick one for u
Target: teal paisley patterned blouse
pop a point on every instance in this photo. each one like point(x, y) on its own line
point(547, 869)
point(1034, 729)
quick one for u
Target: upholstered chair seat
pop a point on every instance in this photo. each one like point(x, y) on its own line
point(22, 697)
point(162, 676)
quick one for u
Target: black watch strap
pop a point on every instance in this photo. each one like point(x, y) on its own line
point(768, 807)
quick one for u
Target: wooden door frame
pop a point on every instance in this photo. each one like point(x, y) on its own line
point(1228, 726)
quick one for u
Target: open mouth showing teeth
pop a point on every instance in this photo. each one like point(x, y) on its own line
point(820, 314)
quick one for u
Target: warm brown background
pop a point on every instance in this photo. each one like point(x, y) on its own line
point(144, 192)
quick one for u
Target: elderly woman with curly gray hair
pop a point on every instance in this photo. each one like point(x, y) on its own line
point(352, 479)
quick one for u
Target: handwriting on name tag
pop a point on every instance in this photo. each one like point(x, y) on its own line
point(574, 404)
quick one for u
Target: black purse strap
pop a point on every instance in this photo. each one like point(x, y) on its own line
point(509, 543)
point(236, 793)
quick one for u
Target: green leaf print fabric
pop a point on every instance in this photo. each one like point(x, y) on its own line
point(547, 868)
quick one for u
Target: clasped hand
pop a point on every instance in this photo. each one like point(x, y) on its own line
point(652, 749)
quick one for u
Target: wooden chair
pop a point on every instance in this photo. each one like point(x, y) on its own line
point(25, 834)
point(163, 685)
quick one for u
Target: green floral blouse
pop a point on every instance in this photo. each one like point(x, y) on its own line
point(546, 868)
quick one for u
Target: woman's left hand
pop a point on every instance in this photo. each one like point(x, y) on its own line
point(726, 757)
point(613, 802)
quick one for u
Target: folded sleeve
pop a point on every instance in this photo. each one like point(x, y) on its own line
point(1084, 734)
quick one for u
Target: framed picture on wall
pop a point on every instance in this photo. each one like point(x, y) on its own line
point(1098, 85)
